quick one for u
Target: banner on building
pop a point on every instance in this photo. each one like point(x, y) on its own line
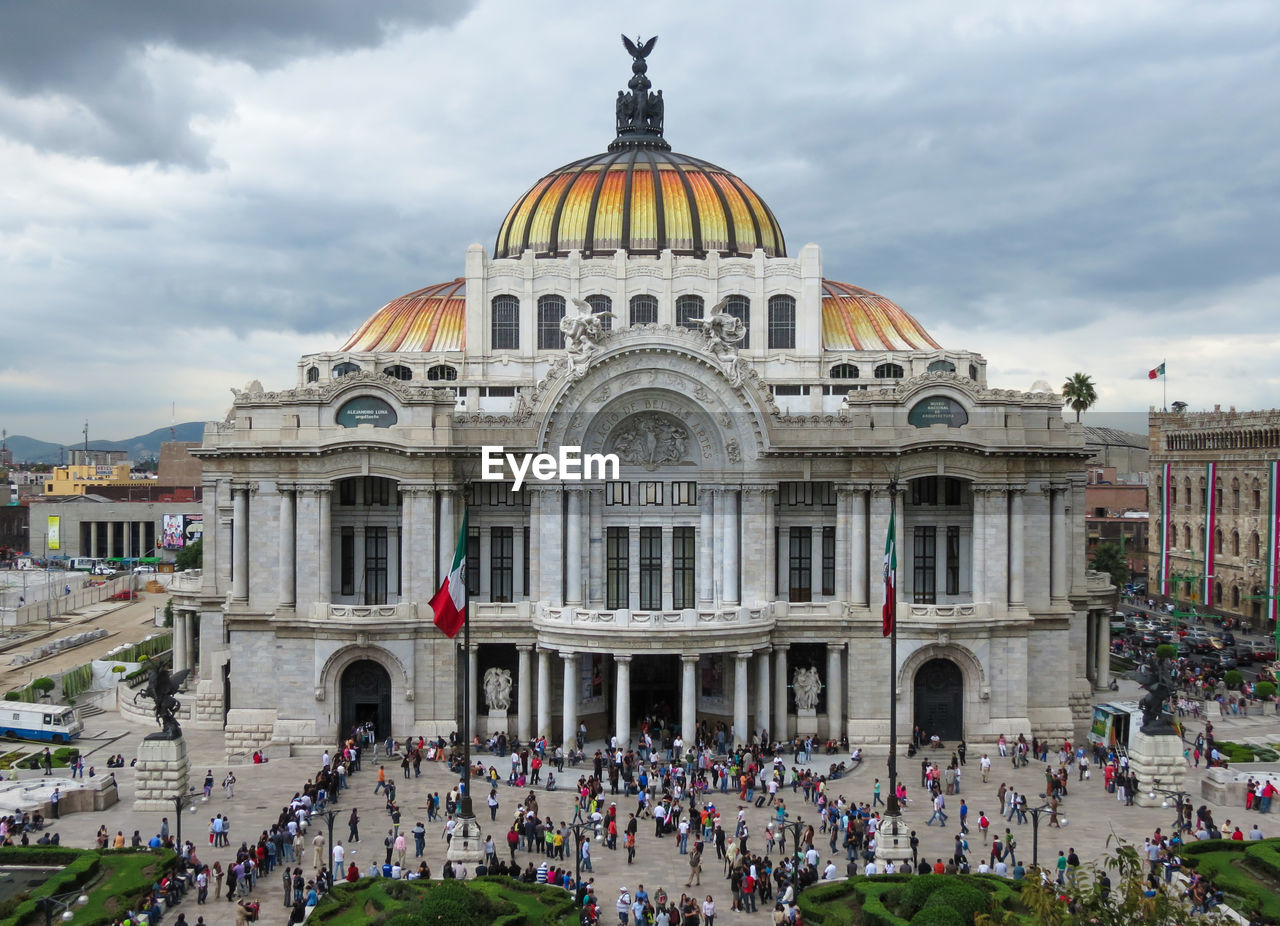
point(1210, 530)
point(54, 533)
point(171, 532)
point(192, 528)
point(1166, 481)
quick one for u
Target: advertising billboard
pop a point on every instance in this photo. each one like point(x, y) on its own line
point(54, 533)
point(171, 531)
point(192, 528)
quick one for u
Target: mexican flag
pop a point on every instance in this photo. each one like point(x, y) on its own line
point(890, 610)
point(1157, 372)
point(450, 602)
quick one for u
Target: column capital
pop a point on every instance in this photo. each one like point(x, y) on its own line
point(569, 655)
point(688, 660)
point(313, 488)
point(416, 489)
point(765, 650)
point(624, 658)
point(989, 489)
point(524, 647)
point(743, 656)
point(283, 487)
point(781, 647)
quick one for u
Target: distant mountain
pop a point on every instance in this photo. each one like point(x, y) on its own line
point(142, 447)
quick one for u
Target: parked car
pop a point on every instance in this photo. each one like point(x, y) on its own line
point(125, 595)
point(1218, 661)
point(138, 570)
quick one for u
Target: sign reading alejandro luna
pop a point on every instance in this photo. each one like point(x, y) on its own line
point(366, 409)
point(938, 409)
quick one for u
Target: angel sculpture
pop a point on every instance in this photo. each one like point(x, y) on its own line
point(582, 335)
point(807, 686)
point(722, 332)
point(161, 688)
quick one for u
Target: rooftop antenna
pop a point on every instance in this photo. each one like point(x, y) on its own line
point(86, 438)
point(173, 415)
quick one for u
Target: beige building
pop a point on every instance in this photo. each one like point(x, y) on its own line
point(1218, 506)
point(643, 304)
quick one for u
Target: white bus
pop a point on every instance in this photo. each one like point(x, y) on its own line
point(83, 563)
point(55, 723)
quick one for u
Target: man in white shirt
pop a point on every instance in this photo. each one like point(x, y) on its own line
point(985, 764)
point(339, 854)
point(829, 873)
point(984, 868)
point(870, 869)
point(889, 867)
point(1255, 833)
point(1002, 869)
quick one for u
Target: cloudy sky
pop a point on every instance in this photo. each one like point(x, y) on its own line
point(194, 194)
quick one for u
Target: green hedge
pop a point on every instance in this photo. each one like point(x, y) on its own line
point(1227, 862)
point(506, 902)
point(116, 879)
point(901, 899)
point(1247, 752)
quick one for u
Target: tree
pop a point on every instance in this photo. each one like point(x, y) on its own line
point(191, 556)
point(1080, 393)
point(1109, 558)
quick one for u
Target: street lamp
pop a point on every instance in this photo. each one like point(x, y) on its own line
point(797, 827)
point(1182, 821)
point(63, 902)
point(580, 826)
point(330, 816)
point(1035, 831)
point(180, 803)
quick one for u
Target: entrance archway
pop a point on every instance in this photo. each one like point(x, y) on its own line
point(653, 694)
point(364, 694)
point(939, 700)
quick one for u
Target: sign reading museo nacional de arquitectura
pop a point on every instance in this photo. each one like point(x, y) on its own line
point(723, 575)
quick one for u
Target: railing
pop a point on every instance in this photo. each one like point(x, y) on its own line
point(59, 603)
point(326, 611)
point(945, 612)
point(191, 581)
point(657, 620)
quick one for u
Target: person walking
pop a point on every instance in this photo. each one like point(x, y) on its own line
point(229, 785)
point(353, 825)
point(695, 866)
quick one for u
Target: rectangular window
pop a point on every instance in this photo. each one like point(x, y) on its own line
point(953, 561)
point(684, 493)
point(347, 561)
point(377, 490)
point(650, 493)
point(617, 556)
point(924, 491)
point(501, 563)
point(644, 310)
point(687, 309)
point(924, 565)
point(797, 493)
point(782, 323)
point(800, 580)
point(790, 389)
point(954, 490)
point(525, 583)
point(375, 565)
point(473, 561)
point(505, 331)
point(650, 569)
point(347, 492)
point(683, 562)
point(617, 493)
point(828, 561)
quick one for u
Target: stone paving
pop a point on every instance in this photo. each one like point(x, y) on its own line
point(1092, 815)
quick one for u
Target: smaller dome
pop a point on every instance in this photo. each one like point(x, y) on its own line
point(854, 318)
point(429, 319)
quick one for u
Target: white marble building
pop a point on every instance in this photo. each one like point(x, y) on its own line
point(741, 541)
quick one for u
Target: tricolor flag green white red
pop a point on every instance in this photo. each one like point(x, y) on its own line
point(450, 601)
point(1157, 372)
point(890, 611)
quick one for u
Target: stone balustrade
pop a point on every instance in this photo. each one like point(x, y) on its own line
point(656, 620)
point(190, 581)
point(374, 613)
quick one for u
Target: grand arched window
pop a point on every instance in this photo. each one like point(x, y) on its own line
point(346, 368)
point(1186, 536)
point(889, 371)
point(398, 371)
point(644, 310)
point(1253, 545)
point(600, 304)
point(843, 371)
point(1217, 542)
point(1235, 543)
point(442, 372)
point(942, 366)
point(313, 374)
point(688, 307)
point(782, 323)
point(505, 322)
point(550, 312)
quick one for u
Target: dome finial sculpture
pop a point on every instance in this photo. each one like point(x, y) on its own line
point(638, 115)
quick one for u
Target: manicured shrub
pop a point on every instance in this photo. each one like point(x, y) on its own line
point(916, 894)
point(964, 898)
point(940, 915)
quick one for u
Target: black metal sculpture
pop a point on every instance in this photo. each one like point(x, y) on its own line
point(638, 109)
point(1153, 675)
point(161, 688)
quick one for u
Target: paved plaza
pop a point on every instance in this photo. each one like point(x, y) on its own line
point(1091, 814)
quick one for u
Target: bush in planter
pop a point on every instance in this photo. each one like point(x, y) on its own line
point(43, 685)
point(1166, 651)
point(1233, 678)
point(1264, 690)
point(12, 696)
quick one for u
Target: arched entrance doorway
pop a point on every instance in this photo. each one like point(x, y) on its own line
point(364, 697)
point(939, 700)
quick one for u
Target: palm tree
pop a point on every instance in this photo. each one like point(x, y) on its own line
point(1079, 393)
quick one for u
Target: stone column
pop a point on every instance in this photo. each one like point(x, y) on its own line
point(573, 548)
point(410, 497)
point(979, 553)
point(524, 692)
point(544, 693)
point(1017, 552)
point(762, 689)
point(288, 540)
point(741, 731)
point(622, 700)
point(93, 538)
point(706, 556)
point(688, 698)
point(1058, 542)
point(179, 640)
point(879, 504)
point(473, 674)
point(325, 559)
point(190, 635)
point(448, 535)
point(668, 567)
point(240, 562)
point(997, 583)
point(844, 504)
point(569, 724)
point(835, 690)
point(770, 498)
point(780, 691)
point(551, 552)
point(535, 558)
point(1102, 672)
point(732, 533)
point(423, 553)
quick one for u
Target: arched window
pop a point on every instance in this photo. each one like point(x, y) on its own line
point(1235, 494)
point(688, 307)
point(844, 371)
point(398, 371)
point(550, 311)
point(782, 323)
point(888, 371)
point(1173, 493)
point(1186, 489)
point(505, 322)
point(942, 366)
point(1235, 543)
point(600, 304)
point(1257, 495)
point(1186, 536)
point(1253, 545)
point(1200, 494)
point(441, 373)
point(644, 310)
point(1217, 543)
point(1218, 494)
point(346, 368)
point(1235, 597)
point(1217, 593)
point(973, 372)
point(313, 374)
point(740, 308)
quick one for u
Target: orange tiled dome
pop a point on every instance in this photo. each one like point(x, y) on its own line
point(642, 199)
point(430, 319)
point(854, 318)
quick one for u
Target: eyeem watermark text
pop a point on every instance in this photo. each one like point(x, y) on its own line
point(570, 465)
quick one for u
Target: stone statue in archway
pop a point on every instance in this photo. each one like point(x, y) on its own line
point(582, 335)
point(651, 441)
point(807, 686)
point(723, 332)
point(497, 688)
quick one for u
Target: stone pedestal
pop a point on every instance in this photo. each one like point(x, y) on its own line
point(163, 771)
point(893, 842)
point(498, 722)
point(467, 845)
point(1156, 757)
point(806, 722)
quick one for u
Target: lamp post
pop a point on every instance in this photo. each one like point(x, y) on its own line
point(63, 902)
point(580, 826)
point(1035, 831)
point(330, 816)
point(797, 827)
point(1177, 796)
point(180, 803)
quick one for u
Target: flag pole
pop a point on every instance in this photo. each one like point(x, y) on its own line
point(1164, 384)
point(891, 808)
point(465, 808)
